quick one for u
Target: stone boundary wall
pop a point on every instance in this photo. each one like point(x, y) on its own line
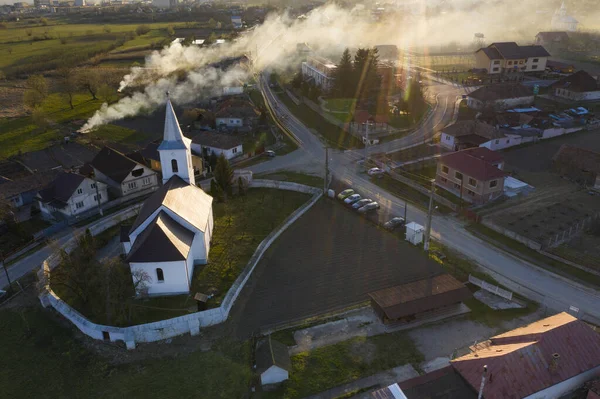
point(191, 323)
point(511, 234)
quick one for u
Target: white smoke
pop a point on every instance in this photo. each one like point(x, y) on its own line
point(327, 30)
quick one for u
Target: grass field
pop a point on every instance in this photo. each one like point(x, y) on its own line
point(39, 47)
point(347, 361)
point(240, 224)
point(20, 234)
point(42, 359)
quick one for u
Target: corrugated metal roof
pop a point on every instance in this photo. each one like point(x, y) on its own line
point(522, 362)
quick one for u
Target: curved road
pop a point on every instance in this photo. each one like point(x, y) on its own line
point(553, 291)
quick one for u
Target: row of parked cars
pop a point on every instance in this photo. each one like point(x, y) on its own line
point(365, 205)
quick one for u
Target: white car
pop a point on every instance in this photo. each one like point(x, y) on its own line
point(352, 199)
point(375, 172)
point(371, 206)
point(361, 203)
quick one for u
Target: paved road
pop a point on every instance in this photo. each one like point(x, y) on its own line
point(559, 292)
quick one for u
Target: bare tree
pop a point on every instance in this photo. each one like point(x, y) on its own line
point(106, 93)
point(67, 83)
point(37, 91)
point(90, 79)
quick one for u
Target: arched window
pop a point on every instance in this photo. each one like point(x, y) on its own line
point(174, 166)
point(159, 275)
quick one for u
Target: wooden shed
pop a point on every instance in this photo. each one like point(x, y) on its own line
point(406, 301)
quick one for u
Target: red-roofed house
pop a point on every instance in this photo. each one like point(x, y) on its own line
point(475, 174)
point(545, 359)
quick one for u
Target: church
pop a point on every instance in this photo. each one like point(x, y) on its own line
point(173, 229)
point(563, 22)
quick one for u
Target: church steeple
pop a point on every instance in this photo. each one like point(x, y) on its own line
point(175, 149)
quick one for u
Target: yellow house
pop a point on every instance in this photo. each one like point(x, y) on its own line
point(509, 58)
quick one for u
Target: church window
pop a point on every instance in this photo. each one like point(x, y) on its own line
point(174, 166)
point(159, 275)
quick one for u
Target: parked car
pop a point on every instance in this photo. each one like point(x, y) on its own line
point(345, 194)
point(371, 206)
point(394, 222)
point(270, 153)
point(361, 203)
point(352, 199)
point(375, 172)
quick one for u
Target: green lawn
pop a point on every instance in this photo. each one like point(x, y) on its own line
point(20, 234)
point(335, 136)
point(294, 177)
point(334, 365)
point(407, 193)
point(240, 224)
point(116, 134)
point(41, 359)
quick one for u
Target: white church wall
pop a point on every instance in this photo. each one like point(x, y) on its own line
point(173, 327)
point(175, 277)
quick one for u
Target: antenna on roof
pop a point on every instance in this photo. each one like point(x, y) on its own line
point(482, 382)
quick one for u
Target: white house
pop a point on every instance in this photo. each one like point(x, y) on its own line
point(70, 195)
point(509, 58)
point(219, 143)
point(500, 97)
point(580, 86)
point(173, 229)
point(272, 361)
point(236, 113)
point(123, 175)
point(468, 134)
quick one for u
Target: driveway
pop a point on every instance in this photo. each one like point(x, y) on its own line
point(330, 259)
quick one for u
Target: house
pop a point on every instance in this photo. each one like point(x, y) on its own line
point(580, 86)
point(272, 361)
point(20, 193)
point(413, 300)
point(546, 359)
point(236, 113)
point(123, 175)
point(508, 58)
point(172, 232)
point(320, 71)
point(468, 134)
point(474, 175)
point(207, 143)
point(578, 164)
point(70, 195)
point(553, 40)
point(559, 67)
point(500, 97)
point(563, 22)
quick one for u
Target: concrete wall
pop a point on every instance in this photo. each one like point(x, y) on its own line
point(566, 386)
point(501, 143)
point(191, 323)
point(273, 375)
point(511, 234)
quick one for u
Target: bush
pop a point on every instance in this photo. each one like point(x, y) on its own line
point(44, 21)
point(142, 30)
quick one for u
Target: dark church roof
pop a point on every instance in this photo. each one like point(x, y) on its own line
point(163, 240)
point(184, 199)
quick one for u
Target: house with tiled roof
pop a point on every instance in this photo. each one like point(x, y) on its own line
point(509, 58)
point(20, 193)
point(500, 97)
point(70, 195)
point(236, 113)
point(208, 142)
point(469, 134)
point(474, 175)
point(123, 175)
point(580, 86)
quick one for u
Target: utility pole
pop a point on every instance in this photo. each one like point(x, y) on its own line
point(6, 272)
point(405, 212)
point(367, 143)
point(326, 171)
point(429, 215)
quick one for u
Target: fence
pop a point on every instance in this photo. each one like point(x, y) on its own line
point(511, 234)
point(494, 289)
point(191, 323)
point(571, 232)
point(409, 182)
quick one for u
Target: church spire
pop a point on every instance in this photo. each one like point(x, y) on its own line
point(173, 138)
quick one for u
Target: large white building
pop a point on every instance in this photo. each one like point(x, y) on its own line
point(173, 229)
point(509, 58)
point(563, 22)
point(320, 70)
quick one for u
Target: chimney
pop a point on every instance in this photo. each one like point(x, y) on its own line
point(554, 361)
point(482, 382)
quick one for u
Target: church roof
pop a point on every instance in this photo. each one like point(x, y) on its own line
point(184, 199)
point(173, 138)
point(163, 240)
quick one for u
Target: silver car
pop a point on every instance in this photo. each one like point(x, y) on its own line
point(352, 199)
point(371, 206)
point(361, 203)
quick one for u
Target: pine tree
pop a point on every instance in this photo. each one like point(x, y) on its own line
point(224, 174)
point(366, 77)
point(344, 84)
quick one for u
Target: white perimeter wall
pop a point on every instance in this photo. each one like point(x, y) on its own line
point(191, 323)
